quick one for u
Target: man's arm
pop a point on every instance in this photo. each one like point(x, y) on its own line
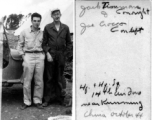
point(68, 40)
point(45, 45)
point(45, 41)
point(21, 43)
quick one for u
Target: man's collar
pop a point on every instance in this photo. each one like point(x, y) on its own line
point(31, 29)
point(53, 25)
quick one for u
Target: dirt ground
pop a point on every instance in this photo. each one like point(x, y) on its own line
point(12, 98)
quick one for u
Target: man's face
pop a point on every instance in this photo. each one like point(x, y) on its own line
point(56, 16)
point(36, 22)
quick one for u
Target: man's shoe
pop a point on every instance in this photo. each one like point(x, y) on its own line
point(38, 105)
point(24, 106)
point(45, 104)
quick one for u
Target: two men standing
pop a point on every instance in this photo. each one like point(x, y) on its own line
point(54, 41)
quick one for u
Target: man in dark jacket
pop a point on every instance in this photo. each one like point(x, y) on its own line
point(56, 40)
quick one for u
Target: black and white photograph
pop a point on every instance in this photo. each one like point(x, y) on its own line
point(36, 51)
point(113, 59)
point(75, 59)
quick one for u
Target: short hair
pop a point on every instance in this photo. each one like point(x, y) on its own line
point(36, 15)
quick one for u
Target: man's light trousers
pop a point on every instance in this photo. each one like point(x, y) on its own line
point(33, 67)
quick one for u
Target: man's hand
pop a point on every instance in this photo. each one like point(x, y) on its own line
point(23, 57)
point(49, 57)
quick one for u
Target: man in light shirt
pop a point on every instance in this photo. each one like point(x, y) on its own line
point(29, 46)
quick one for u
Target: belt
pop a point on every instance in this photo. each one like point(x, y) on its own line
point(33, 51)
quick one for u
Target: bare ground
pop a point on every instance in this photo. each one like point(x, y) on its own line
point(12, 98)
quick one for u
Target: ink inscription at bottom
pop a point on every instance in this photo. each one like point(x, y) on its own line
point(90, 113)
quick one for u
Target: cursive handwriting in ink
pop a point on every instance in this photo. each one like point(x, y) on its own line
point(96, 94)
point(114, 82)
point(101, 84)
point(106, 102)
point(113, 29)
point(133, 30)
point(141, 106)
point(139, 115)
point(96, 104)
point(122, 9)
point(88, 104)
point(104, 14)
point(85, 88)
point(141, 12)
point(116, 91)
point(90, 113)
point(106, 5)
point(88, 8)
point(134, 7)
point(107, 89)
point(103, 24)
point(122, 114)
point(84, 27)
point(112, 24)
point(131, 92)
point(113, 89)
point(136, 30)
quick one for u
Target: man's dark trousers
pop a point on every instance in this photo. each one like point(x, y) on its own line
point(53, 77)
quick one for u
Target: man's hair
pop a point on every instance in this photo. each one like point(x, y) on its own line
point(36, 15)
